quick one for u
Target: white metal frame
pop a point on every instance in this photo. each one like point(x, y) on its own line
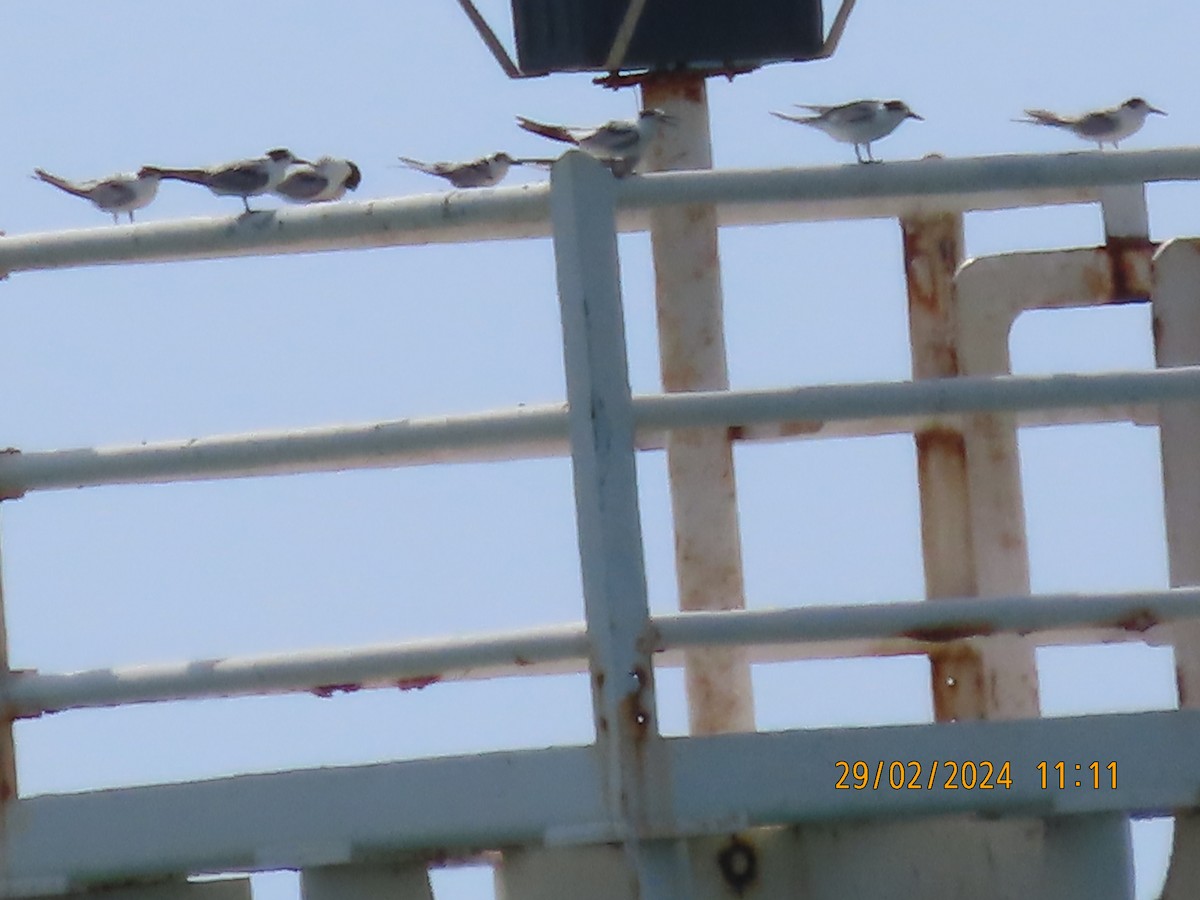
point(633, 787)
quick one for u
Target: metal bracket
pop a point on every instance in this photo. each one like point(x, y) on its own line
point(493, 43)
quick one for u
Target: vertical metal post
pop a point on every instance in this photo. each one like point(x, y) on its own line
point(691, 338)
point(971, 679)
point(1176, 304)
point(636, 770)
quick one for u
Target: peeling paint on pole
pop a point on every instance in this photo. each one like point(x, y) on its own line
point(691, 336)
point(973, 679)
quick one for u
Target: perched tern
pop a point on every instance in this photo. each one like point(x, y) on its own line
point(621, 143)
point(859, 123)
point(1105, 126)
point(118, 194)
point(245, 178)
point(483, 172)
point(326, 179)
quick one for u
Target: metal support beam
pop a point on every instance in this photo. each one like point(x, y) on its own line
point(636, 773)
point(691, 342)
point(971, 679)
point(1176, 305)
point(723, 784)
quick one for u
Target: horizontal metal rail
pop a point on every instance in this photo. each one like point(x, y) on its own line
point(542, 431)
point(418, 664)
point(554, 797)
point(742, 197)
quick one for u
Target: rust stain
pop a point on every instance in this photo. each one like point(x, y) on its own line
point(1181, 688)
point(1129, 260)
point(417, 682)
point(633, 708)
point(1142, 620)
point(522, 661)
point(941, 635)
point(326, 691)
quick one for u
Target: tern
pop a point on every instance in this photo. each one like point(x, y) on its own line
point(116, 194)
point(621, 143)
point(1104, 126)
point(245, 178)
point(483, 172)
point(859, 123)
point(326, 179)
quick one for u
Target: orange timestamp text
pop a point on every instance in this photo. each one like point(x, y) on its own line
point(917, 775)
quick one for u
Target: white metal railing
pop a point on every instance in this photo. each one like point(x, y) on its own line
point(904, 627)
point(542, 431)
point(742, 197)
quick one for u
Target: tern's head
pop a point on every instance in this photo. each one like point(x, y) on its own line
point(1140, 105)
point(504, 158)
point(900, 107)
point(284, 156)
point(353, 177)
point(149, 173)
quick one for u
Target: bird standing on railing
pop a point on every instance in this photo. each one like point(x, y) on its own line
point(1105, 126)
point(326, 179)
point(116, 194)
point(859, 123)
point(622, 144)
point(483, 172)
point(245, 178)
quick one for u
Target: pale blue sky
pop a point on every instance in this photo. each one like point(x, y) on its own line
point(120, 355)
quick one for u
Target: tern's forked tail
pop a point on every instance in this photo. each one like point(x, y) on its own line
point(61, 183)
point(1045, 117)
point(554, 132)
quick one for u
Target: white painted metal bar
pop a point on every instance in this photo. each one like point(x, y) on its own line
point(743, 197)
point(1176, 305)
point(892, 628)
point(634, 771)
point(723, 783)
point(541, 431)
point(690, 308)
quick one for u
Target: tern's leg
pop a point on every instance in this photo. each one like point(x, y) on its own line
point(246, 203)
point(870, 155)
point(857, 154)
point(115, 220)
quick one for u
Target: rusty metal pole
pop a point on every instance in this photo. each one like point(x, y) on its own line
point(971, 679)
point(691, 338)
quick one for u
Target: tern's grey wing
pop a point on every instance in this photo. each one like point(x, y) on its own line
point(239, 178)
point(473, 174)
point(815, 107)
point(112, 194)
point(302, 185)
point(853, 113)
point(614, 137)
point(1097, 124)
